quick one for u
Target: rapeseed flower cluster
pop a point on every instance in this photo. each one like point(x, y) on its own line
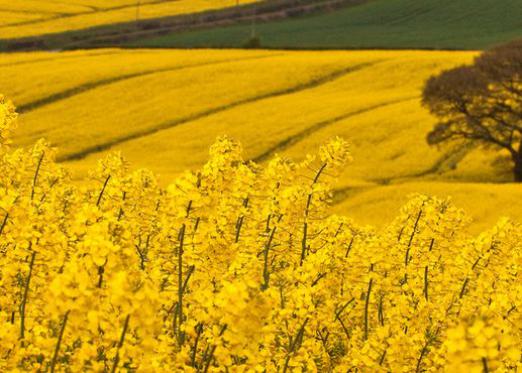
point(239, 267)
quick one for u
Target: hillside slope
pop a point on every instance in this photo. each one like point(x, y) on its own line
point(437, 24)
point(114, 24)
point(22, 18)
point(163, 109)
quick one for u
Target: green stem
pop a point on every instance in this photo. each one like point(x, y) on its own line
point(240, 220)
point(59, 341)
point(485, 367)
point(266, 272)
point(410, 242)
point(463, 288)
point(210, 356)
point(100, 196)
point(381, 310)
point(35, 178)
point(199, 330)
point(366, 307)
point(295, 344)
point(4, 223)
point(304, 244)
point(120, 344)
point(421, 356)
point(180, 284)
point(23, 305)
point(426, 282)
point(383, 356)
point(349, 248)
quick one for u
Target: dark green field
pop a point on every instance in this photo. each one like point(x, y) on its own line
point(430, 24)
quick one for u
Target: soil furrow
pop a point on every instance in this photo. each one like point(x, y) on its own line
point(300, 136)
point(70, 92)
point(314, 83)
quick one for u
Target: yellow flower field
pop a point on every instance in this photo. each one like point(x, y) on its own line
point(185, 85)
point(273, 102)
point(22, 18)
point(238, 266)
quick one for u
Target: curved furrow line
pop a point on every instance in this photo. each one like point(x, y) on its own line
point(342, 194)
point(314, 83)
point(97, 10)
point(68, 93)
point(22, 11)
point(67, 2)
point(59, 58)
point(450, 159)
point(62, 95)
point(302, 135)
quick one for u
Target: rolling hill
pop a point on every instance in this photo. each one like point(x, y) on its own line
point(40, 26)
point(163, 109)
point(427, 24)
point(23, 18)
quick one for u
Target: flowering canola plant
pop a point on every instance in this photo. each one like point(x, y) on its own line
point(240, 268)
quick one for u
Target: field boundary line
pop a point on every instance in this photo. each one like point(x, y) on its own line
point(119, 33)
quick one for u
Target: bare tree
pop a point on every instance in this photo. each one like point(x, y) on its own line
point(481, 103)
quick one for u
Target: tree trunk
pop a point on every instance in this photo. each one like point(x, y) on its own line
point(517, 169)
point(517, 160)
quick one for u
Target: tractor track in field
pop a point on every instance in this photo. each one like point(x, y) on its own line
point(449, 159)
point(24, 11)
point(60, 58)
point(307, 132)
point(70, 92)
point(314, 83)
point(89, 12)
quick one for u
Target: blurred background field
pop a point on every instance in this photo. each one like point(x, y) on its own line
point(163, 108)
point(272, 24)
point(435, 24)
point(21, 18)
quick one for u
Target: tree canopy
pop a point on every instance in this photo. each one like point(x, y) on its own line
point(481, 103)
